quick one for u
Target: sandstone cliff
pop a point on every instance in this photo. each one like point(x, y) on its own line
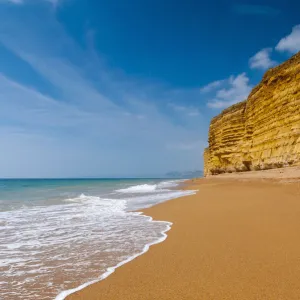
point(262, 132)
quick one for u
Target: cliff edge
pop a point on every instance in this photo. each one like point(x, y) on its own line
point(262, 132)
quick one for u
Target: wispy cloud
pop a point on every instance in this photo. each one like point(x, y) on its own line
point(262, 60)
point(212, 86)
point(252, 9)
point(187, 146)
point(185, 110)
point(96, 142)
point(290, 43)
point(193, 113)
point(12, 1)
point(238, 89)
point(53, 2)
point(98, 122)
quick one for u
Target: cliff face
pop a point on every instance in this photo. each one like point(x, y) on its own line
point(262, 132)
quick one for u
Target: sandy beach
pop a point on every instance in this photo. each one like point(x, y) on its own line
point(237, 238)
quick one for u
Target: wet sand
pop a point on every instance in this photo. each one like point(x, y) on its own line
point(234, 239)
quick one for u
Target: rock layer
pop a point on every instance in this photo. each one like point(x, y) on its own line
point(262, 132)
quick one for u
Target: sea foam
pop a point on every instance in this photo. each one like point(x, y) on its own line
point(142, 188)
point(110, 270)
point(83, 239)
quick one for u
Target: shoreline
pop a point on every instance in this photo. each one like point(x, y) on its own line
point(183, 268)
point(110, 270)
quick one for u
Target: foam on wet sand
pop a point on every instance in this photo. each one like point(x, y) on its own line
point(234, 239)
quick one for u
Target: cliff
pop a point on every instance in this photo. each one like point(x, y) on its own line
point(262, 132)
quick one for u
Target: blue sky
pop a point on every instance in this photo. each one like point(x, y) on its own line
point(128, 88)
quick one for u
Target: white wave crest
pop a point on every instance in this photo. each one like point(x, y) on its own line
point(150, 188)
point(142, 188)
point(145, 201)
point(169, 183)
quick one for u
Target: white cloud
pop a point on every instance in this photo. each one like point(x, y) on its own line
point(63, 139)
point(290, 43)
point(193, 113)
point(262, 60)
point(189, 111)
point(212, 86)
point(93, 121)
point(177, 107)
point(12, 1)
point(53, 2)
point(238, 90)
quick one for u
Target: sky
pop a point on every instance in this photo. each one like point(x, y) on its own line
point(128, 88)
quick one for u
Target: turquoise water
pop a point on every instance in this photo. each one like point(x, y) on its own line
point(16, 193)
point(57, 235)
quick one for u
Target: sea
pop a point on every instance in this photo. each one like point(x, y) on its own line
point(57, 236)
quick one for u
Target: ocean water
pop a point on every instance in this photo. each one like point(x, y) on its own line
point(60, 235)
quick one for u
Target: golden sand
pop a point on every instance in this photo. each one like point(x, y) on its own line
point(234, 239)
